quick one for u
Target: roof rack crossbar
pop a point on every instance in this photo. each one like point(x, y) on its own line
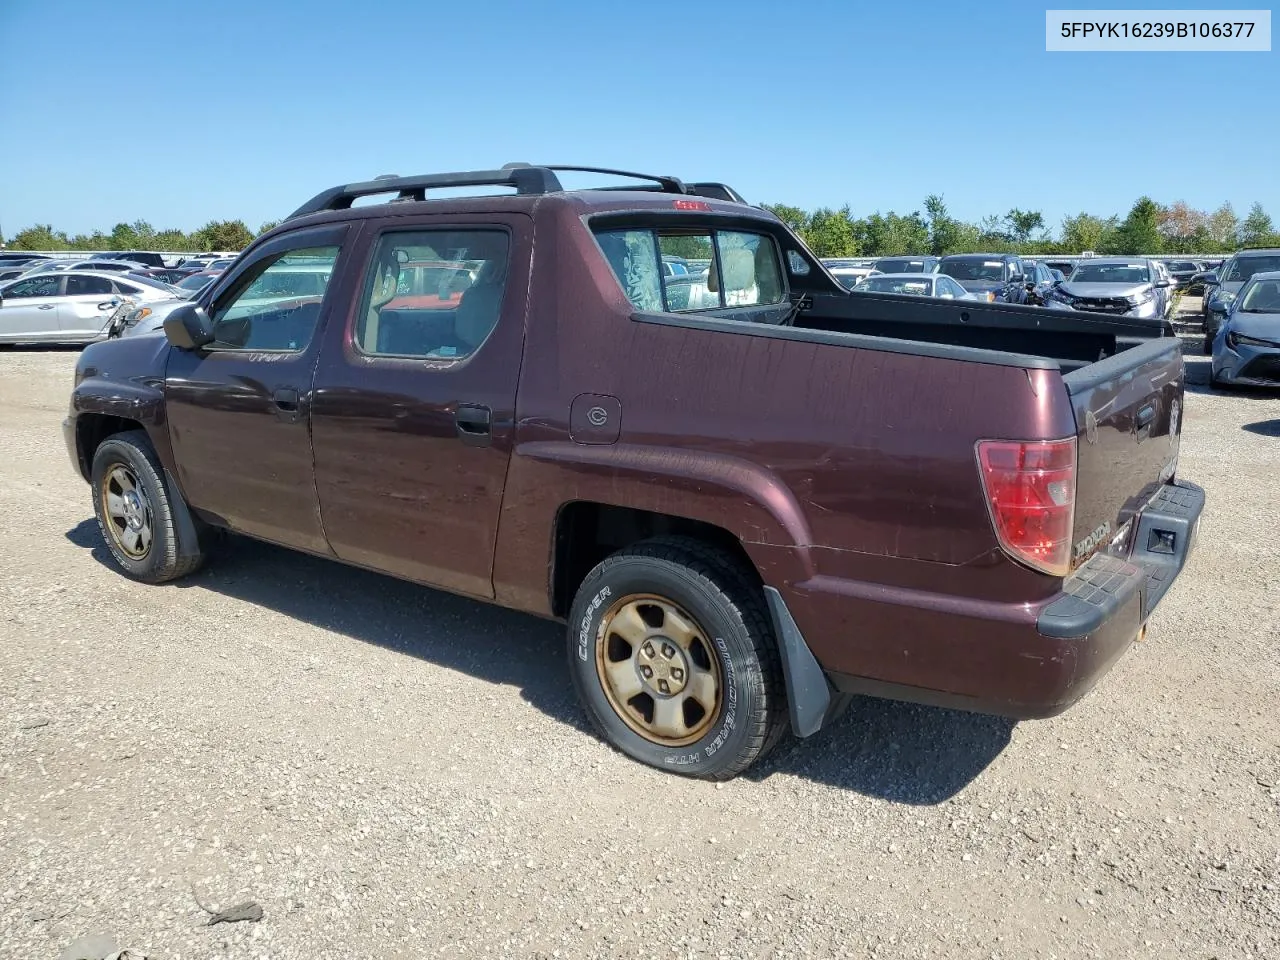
point(529, 179)
point(665, 184)
point(525, 179)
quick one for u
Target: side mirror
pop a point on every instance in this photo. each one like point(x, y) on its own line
point(1018, 278)
point(1209, 279)
point(1162, 283)
point(188, 327)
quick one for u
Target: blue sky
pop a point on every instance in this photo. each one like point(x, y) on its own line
point(179, 113)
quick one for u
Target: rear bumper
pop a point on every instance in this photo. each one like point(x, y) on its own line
point(1024, 661)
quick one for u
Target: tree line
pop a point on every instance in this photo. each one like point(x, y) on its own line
point(1149, 227)
point(140, 235)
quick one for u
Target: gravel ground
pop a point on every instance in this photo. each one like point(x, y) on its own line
point(393, 772)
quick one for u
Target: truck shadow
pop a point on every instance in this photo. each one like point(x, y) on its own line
point(1264, 428)
point(894, 751)
point(900, 752)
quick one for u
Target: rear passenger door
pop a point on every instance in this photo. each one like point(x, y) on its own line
point(414, 414)
point(87, 306)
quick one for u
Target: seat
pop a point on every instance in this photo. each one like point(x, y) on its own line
point(477, 312)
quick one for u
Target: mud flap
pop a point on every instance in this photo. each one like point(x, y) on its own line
point(184, 525)
point(809, 695)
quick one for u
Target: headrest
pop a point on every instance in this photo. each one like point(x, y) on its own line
point(739, 270)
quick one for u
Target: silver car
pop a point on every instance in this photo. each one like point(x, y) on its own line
point(1246, 348)
point(68, 307)
point(915, 284)
point(1121, 286)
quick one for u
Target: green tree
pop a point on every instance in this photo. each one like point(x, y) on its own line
point(1021, 223)
point(691, 248)
point(171, 240)
point(829, 233)
point(40, 237)
point(1140, 231)
point(124, 237)
point(891, 234)
point(268, 227)
point(222, 235)
point(1224, 226)
point(1084, 231)
point(944, 230)
point(793, 217)
point(1257, 229)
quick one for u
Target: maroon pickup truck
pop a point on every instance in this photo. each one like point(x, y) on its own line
point(749, 494)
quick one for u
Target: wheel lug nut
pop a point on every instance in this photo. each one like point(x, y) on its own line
point(646, 672)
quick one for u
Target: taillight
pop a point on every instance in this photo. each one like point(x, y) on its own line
point(1031, 491)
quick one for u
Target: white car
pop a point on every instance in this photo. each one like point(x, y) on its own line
point(68, 307)
point(917, 284)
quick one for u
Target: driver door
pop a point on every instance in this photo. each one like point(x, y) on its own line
point(29, 309)
point(239, 409)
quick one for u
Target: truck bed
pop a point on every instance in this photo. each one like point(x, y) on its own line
point(1071, 339)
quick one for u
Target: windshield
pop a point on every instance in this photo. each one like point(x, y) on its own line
point(1242, 268)
point(1261, 297)
point(1129, 273)
point(1183, 266)
point(900, 265)
point(920, 288)
point(973, 269)
point(195, 282)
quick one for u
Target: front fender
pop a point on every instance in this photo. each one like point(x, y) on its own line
point(121, 380)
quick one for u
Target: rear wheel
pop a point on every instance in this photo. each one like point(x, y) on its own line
point(673, 656)
point(135, 511)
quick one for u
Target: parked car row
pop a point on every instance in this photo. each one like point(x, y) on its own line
point(1138, 288)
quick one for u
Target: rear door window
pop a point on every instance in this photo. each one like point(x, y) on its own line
point(743, 268)
point(82, 286)
point(433, 294)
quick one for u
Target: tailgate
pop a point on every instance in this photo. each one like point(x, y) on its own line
point(1128, 423)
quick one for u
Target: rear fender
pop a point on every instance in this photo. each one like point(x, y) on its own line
point(738, 496)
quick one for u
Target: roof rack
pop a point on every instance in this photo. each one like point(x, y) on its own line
point(526, 178)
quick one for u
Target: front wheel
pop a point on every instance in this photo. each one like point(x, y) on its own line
point(674, 659)
point(135, 511)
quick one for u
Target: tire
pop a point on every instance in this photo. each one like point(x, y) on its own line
point(128, 460)
point(645, 593)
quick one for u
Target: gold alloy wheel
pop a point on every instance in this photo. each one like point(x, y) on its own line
point(125, 506)
point(658, 670)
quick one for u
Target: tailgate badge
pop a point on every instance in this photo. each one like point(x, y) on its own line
point(1089, 545)
point(1091, 426)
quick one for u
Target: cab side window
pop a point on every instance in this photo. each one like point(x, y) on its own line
point(432, 294)
point(728, 268)
point(275, 305)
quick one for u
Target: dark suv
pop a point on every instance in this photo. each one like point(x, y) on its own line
point(997, 277)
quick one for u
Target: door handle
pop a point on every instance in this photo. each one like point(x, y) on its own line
point(474, 423)
point(286, 401)
point(47, 306)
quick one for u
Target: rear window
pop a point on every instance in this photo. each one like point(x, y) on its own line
point(973, 269)
point(743, 268)
point(901, 265)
